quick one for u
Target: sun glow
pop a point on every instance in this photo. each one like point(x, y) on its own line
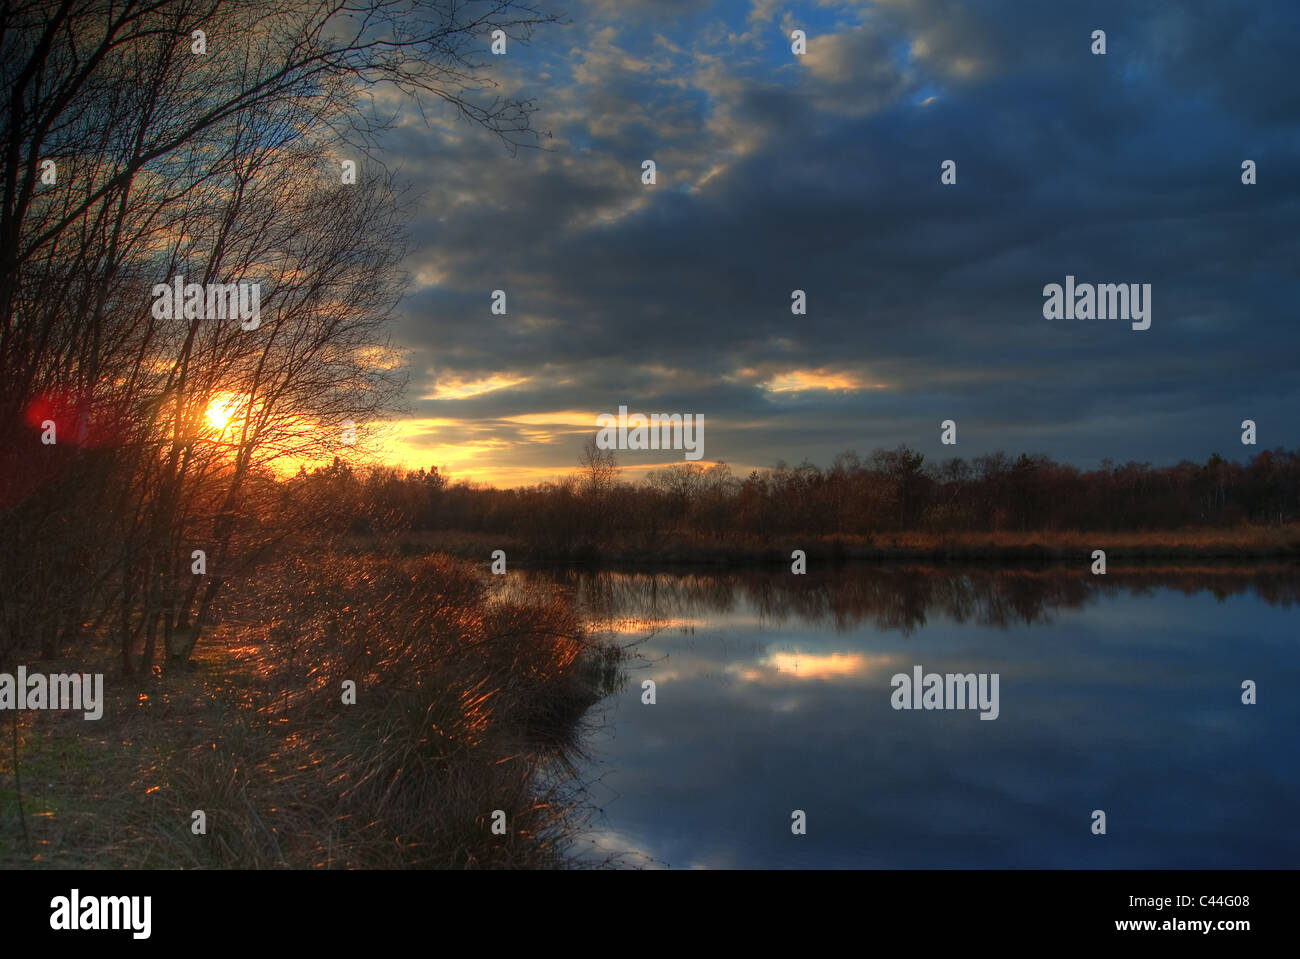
point(221, 410)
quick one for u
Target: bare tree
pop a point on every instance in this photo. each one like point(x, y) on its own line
point(599, 469)
point(145, 140)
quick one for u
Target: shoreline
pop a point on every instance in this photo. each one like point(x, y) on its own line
point(1252, 544)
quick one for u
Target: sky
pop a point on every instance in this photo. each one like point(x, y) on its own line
point(821, 172)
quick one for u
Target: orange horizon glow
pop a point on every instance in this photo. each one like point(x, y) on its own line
point(412, 444)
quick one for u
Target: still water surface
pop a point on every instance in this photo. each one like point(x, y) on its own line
point(773, 694)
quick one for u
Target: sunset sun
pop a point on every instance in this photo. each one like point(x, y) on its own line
point(221, 410)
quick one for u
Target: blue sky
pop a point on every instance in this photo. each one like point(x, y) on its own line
point(822, 173)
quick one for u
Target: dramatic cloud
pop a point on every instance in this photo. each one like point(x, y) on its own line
point(822, 173)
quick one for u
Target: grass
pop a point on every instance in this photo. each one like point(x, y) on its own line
point(465, 704)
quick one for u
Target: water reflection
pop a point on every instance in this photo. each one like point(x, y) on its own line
point(1120, 693)
point(901, 598)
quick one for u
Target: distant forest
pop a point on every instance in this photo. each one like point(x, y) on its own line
point(887, 492)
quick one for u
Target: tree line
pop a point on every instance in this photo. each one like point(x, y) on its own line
point(889, 491)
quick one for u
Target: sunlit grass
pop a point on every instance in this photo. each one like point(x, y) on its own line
point(463, 706)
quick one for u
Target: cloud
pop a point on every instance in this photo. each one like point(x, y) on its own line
point(802, 381)
point(822, 173)
point(458, 388)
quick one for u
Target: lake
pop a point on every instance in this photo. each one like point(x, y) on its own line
point(1120, 693)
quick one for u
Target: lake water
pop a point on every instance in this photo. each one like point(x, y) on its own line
point(1120, 693)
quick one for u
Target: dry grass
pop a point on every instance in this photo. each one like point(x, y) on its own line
point(465, 704)
point(1186, 538)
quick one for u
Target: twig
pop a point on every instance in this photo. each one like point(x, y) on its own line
point(18, 787)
